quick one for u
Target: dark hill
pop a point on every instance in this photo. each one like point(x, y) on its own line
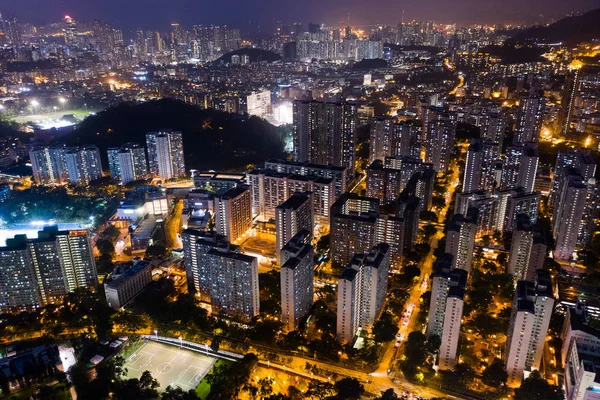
point(374, 63)
point(571, 30)
point(256, 55)
point(211, 139)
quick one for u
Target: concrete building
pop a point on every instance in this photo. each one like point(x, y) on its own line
point(480, 165)
point(233, 213)
point(531, 312)
point(339, 174)
point(446, 309)
point(361, 292)
point(49, 165)
point(527, 249)
point(439, 144)
point(165, 154)
point(83, 164)
point(270, 188)
point(196, 245)
point(127, 283)
point(520, 167)
point(128, 162)
point(381, 143)
point(297, 279)
point(38, 272)
point(233, 281)
point(325, 133)
point(568, 214)
point(529, 118)
point(460, 239)
point(259, 103)
point(293, 215)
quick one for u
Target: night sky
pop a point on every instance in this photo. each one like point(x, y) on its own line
point(158, 14)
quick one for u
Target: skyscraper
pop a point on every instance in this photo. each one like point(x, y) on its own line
point(165, 154)
point(37, 272)
point(325, 133)
point(446, 308)
point(233, 213)
point(196, 245)
point(439, 144)
point(361, 292)
point(480, 166)
point(382, 138)
point(83, 164)
point(233, 284)
point(297, 279)
point(568, 213)
point(567, 103)
point(128, 162)
point(292, 216)
point(530, 118)
point(529, 320)
point(70, 31)
point(520, 166)
point(48, 165)
point(460, 239)
point(527, 249)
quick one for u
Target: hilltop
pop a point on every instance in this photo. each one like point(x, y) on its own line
point(255, 55)
point(211, 139)
point(571, 30)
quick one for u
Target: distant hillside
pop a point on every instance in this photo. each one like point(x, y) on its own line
point(255, 55)
point(374, 63)
point(211, 139)
point(571, 30)
point(514, 55)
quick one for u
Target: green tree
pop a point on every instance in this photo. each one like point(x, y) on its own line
point(495, 375)
point(388, 395)
point(349, 388)
point(320, 390)
point(177, 393)
point(385, 329)
point(536, 387)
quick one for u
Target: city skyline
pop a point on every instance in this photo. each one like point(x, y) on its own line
point(263, 18)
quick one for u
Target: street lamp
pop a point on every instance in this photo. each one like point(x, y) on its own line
point(156, 334)
point(62, 101)
point(180, 342)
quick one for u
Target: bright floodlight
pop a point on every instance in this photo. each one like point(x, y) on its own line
point(35, 103)
point(62, 100)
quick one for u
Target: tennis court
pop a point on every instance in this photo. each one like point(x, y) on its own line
point(169, 365)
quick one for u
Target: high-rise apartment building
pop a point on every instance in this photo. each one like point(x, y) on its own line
point(83, 164)
point(446, 308)
point(233, 284)
point(361, 292)
point(460, 239)
point(527, 249)
point(37, 272)
point(49, 165)
point(568, 214)
point(570, 91)
point(520, 166)
point(529, 118)
point(128, 163)
point(297, 279)
point(270, 188)
point(386, 181)
point(529, 320)
point(381, 142)
point(439, 143)
point(196, 245)
point(480, 166)
point(325, 133)
point(233, 213)
point(292, 216)
point(165, 154)
point(339, 174)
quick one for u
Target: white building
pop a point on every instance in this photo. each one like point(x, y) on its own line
point(531, 312)
point(460, 239)
point(293, 215)
point(297, 279)
point(127, 284)
point(165, 154)
point(233, 213)
point(259, 103)
point(128, 162)
point(361, 292)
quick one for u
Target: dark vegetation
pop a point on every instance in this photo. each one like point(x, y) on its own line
point(211, 139)
point(255, 55)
